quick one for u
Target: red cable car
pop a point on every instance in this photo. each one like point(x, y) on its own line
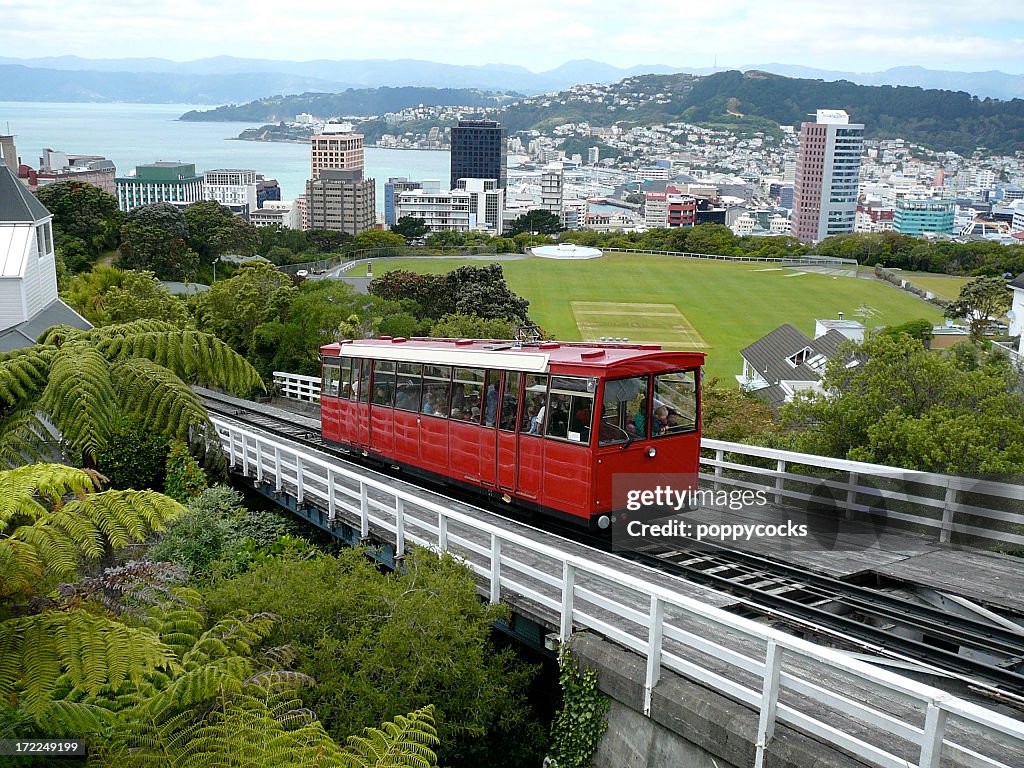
point(544, 426)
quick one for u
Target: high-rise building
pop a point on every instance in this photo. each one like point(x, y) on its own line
point(478, 151)
point(336, 146)
point(827, 173)
point(337, 196)
point(593, 155)
point(918, 217)
point(341, 200)
point(552, 183)
point(163, 182)
point(55, 166)
point(233, 188)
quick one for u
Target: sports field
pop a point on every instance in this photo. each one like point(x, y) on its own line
point(715, 307)
point(943, 286)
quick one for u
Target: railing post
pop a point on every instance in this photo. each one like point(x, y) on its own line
point(769, 700)
point(399, 526)
point(851, 494)
point(442, 532)
point(568, 588)
point(495, 569)
point(931, 739)
point(278, 480)
point(300, 491)
point(364, 511)
point(780, 482)
point(948, 511)
point(654, 636)
point(332, 502)
point(259, 460)
point(245, 454)
point(231, 448)
point(719, 458)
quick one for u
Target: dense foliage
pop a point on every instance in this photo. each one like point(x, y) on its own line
point(85, 221)
point(106, 296)
point(384, 644)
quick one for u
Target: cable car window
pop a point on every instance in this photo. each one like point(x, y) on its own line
point(384, 383)
point(675, 403)
point(624, 412)
point(363, 385)
point(437, 380)
point(345, 378)
point(510, 400)
point(570, 408)
point(493, 384)
point(467, 394)
point(329, 381)
point(353, 379)
point(535, 400)
point(408, 395)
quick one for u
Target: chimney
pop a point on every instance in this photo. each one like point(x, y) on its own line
point(9, 153)
point(840, 315)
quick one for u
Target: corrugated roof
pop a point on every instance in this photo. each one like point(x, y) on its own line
point(769, 357)
point(1018, 281)
point(16, 202)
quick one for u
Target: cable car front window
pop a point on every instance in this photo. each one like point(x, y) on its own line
point(571, 405)
point(675, 403)
point(624, 412)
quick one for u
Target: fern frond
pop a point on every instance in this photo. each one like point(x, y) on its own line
point(80, 399)
point(87, 652)
point(24, 438)
point(23, 374)
point(194, 356)
point(405, 742)
point(157, 398)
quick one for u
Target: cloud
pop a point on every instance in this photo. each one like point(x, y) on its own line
point(538, 34)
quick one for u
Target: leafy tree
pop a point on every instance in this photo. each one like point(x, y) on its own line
point(468, 290)
point(327, 240)
point(166, 216)
point(918, 329)
point(383, 644)
point(411, 227)
point(378, 238)
point(710, 238)
point(84, 382)
point(185, 478)
point(233, 308)
point(276, 236)
point(535, 223)
point(51, 518)
point(213, 230)
point(83, 212)
point(729, 414)
point(472, 327)
point(133, 457)
point(291, 342)
point(980, 302)
point(956, 412)
point(154, 248)
point(106, 295)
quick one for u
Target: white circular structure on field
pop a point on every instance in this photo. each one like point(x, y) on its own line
point(566, 251)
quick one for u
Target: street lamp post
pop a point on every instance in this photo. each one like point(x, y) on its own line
point(215, 269)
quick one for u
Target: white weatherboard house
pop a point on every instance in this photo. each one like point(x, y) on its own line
point(1016, 313)
point(28, 274)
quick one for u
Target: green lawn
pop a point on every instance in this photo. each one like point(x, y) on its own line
point(727, 305)
point(943, 286)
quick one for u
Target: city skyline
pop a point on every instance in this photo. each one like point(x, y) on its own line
point(940, 35)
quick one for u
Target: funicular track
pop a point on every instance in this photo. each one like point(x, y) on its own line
point(988, 659)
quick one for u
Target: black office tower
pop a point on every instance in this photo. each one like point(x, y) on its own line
point(478, 151)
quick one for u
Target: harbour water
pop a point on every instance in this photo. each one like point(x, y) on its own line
point(132, 134)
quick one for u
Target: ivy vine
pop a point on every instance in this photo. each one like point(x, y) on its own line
point(581, 721)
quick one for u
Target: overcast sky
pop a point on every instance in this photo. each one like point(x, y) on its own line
point(537, 34)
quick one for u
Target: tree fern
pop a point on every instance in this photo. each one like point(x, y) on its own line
point(80, 399)
point(404, 743)
point(23, 438)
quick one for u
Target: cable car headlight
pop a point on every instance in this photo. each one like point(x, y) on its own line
point(652, 452)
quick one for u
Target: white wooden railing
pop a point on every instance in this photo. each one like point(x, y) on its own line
point(817, 690)
point(922, 502)
point(297, 387)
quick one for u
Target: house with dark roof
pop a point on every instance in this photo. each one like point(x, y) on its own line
point(28, 274)
point(1016, 313)
point(778, 366)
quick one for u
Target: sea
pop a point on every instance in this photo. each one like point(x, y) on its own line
point(133, 134)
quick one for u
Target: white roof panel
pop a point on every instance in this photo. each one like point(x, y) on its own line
point(512, 361)
point(14, 246)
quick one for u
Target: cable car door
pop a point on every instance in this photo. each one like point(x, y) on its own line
point(506, 457)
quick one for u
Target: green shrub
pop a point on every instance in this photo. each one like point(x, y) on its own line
point(134, 457)
point(185, 478)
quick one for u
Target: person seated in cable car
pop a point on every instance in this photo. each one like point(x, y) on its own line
point(659, 424)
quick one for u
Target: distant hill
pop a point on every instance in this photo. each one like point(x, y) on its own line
point(355, 102)
point(21, 83)
point(941, 120)
point(336, 75)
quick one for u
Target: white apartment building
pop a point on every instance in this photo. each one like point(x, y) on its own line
point(656, 210)
point(552, 183)
point(654, 173)
point(283, 213)
point(234, 188)
point(336, 147)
